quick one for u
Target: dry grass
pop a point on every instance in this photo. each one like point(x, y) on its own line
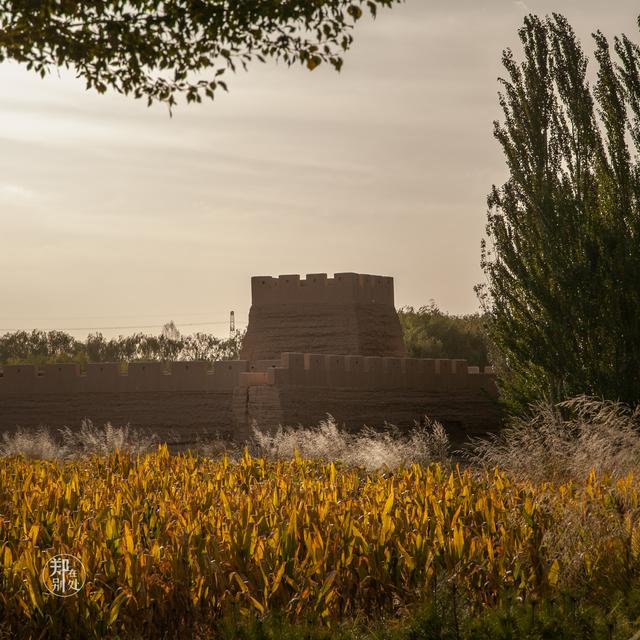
point(367, 448)
point(32, 444)
point(65, 443)
point(566, 441)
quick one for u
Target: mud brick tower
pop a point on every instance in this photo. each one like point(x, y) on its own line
point(349, 314)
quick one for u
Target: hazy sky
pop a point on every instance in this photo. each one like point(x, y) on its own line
point(115, 215)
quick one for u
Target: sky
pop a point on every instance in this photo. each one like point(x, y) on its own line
point(116, 217)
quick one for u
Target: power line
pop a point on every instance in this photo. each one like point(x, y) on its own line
point(136, 326)
point(101, 316)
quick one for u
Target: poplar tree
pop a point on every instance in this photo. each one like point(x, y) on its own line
point(562, 260)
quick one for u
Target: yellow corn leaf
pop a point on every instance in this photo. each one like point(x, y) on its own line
point(33, 534)
point(256, 604)
point(554, 573)
point(454, 520)
point(278, 578)
point(114, 609)
point(240, 581)
point(128, 538)
point(489, 545)
point(388, 505)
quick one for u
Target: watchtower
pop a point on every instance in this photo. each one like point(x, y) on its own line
point(349, 314)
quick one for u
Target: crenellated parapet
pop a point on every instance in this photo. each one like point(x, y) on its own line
point(317, 288)
point(110, 378)
point(292, 369)
point(370, 372)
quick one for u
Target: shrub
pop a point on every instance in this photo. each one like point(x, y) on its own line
point(431, 333)
point(62, 444)
point(565, 440)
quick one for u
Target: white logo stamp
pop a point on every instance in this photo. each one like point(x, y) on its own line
point(64, 575)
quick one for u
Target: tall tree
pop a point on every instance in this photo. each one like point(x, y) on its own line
point(562, 292)
point(158, 49)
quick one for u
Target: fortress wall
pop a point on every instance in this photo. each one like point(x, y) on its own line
point(264, 365)
point(59, 378)
point(226, 374)
point(257, 378)
point(314, 345)
point(463, 413)
point(101, 377)
point(18, 379)
point(175, 416)
point(187, 376)
point(191, 399)
point(187, 401)
point(144, 376)
point(276, 328)
point(261, 405)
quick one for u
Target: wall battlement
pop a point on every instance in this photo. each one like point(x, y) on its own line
point(317, 288)
point(370, 372)
point(108, 378)
point(293, 369)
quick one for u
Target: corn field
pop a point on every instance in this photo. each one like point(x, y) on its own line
point(170, 542)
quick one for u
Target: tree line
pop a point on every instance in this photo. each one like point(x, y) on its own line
point(40, 347)
point(432, 333)
point(428, 333)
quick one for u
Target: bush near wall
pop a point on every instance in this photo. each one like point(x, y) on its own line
point(432, 333)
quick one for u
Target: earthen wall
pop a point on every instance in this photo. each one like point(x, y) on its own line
point(193, 399)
